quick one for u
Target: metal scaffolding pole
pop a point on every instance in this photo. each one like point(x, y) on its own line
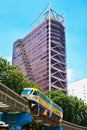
point(49, 15)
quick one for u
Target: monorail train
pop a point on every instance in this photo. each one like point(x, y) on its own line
point(49, 108)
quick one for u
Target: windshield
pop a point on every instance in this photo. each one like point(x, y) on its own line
point(26, 92)
point(34, 93)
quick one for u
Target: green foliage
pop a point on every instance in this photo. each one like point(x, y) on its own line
point(12, 77)
point(32, 126)
point(32, 84)
point(74, 110)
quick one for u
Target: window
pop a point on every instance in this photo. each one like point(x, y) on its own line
point(26, 91)
point(34, 93)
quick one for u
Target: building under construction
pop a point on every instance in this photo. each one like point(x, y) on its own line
point(41, 54)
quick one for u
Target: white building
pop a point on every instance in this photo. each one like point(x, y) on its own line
point(79, 89)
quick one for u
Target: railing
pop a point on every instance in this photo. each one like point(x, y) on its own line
point(14, 101)
point(70, 126)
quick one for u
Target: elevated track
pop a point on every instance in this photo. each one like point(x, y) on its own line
point(70, 126)
point(12, 102)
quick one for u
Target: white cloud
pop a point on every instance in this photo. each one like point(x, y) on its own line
point(9, 58)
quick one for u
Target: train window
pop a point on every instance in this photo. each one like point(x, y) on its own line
point(34, 93)
point(26, 91)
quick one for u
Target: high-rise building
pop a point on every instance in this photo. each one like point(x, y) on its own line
point(41, 54)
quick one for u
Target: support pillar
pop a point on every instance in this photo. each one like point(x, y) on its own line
point(16, 120)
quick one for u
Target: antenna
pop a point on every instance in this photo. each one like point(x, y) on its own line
point(41, 14)
point(49, 5)
point(49, 13)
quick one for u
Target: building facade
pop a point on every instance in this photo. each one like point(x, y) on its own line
point(78, 89)
point(41, 54)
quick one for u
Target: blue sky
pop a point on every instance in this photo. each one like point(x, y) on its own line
point(16, 17)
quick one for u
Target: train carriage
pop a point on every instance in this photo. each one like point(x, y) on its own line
point(46, 106)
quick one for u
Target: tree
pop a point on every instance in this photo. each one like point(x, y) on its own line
point(74, 110)
point(32, 84)
point(11, 76)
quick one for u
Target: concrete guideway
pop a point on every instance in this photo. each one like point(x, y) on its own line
point(11, 101)
point(70, 126)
